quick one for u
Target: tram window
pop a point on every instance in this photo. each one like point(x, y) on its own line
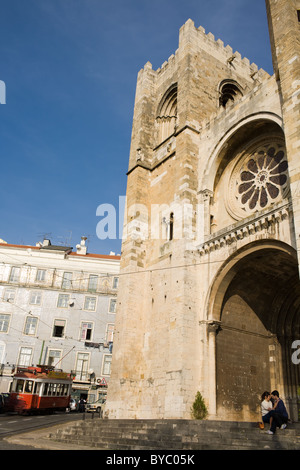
point(45, 391)
point(37, 387)
point(52, 389)
point(28, 386)
point(19, 385)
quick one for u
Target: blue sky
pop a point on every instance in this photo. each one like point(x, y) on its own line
point(70, 69)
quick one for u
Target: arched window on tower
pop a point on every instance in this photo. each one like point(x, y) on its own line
point(229, 91)
point(167, 114)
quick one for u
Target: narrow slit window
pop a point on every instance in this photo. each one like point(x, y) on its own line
point(171, 229)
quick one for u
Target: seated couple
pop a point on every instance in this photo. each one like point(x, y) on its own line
point(273, 411)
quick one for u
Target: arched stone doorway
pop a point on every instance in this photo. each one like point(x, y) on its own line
point(259, 320)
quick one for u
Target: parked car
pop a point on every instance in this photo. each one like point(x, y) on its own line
point(4, 398)
point(97, 406)
point(73, 406)
point(1, 403)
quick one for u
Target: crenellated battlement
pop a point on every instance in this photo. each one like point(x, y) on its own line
point(215, 47)
point(198, 40)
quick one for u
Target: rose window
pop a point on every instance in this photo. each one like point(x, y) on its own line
point(259, 178)
point(262, 178)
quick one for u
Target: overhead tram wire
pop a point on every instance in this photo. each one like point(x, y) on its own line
point(46, 324)
point(140, 271)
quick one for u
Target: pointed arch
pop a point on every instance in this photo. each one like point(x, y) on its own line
point(166, 115)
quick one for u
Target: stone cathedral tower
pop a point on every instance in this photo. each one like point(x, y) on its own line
point(209, 292)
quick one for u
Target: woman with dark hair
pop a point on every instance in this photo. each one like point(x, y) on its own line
point(266, 408)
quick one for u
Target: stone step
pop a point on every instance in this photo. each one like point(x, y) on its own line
point(104, 429)
point(175, 435)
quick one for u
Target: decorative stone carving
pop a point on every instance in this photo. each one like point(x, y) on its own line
point(139, 155)
point(258, 179)
point(249, 227)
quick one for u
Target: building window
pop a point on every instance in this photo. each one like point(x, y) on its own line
point(229, 91)
point(171, 226)
point(9, 295)
point(112, 305)
point(82, 364)
point(90, 303)
point(54, 356)
point(30, 326)
point(298, 14)
point(59, 328)
point(106, 364)
point(40, 275)
point(110, 332)
point(67, 281)
point(14, 274)
point(2, 351)
point(86, 331)
point(262, 177)
point(35, 298)
point(25, 357)
point(93, 283)
point(4, 322)
point(115, 282)
point(166, 119)
point(63, 300)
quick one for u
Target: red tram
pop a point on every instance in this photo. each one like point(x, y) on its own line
point(40, 389)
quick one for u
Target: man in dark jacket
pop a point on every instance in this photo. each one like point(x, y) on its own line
point(279, 413)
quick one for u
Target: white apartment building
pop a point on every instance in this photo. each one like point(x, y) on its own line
point(57, 307)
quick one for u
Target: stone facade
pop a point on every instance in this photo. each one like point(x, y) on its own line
point(209, 288)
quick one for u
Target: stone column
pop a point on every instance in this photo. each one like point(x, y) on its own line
point(212, 330)
point(203, 214)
